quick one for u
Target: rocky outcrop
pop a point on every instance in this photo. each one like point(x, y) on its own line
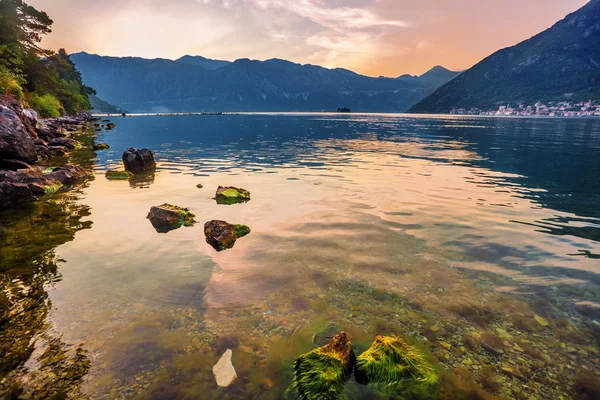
point(23, 141)
point(139, 161)
point(167, 217)
point(26, 185)
point(222, 235)
point(16, 141)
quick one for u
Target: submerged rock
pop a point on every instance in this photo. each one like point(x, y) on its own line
point(231, 195)
point(222, 235)
point(139, 161)
point(167, 217)
point(391, 361)
point(321, 373)
point(119, 175)
point(15, 140)
point(101, 146)
point(224, 371)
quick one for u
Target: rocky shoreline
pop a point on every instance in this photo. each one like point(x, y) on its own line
point(26, 145)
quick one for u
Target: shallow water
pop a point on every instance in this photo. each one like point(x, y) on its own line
point(439, 229)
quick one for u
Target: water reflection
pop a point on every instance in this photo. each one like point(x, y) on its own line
point(444, 230)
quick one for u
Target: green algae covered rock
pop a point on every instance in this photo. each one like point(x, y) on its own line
point(118, 175)
point(101, 146)
point(391, 361)
point(222, 235)
point(321, 374)
point(53, 188)
point(167, 217)
point(231, 195)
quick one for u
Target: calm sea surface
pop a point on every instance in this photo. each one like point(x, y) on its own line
point(445, 230)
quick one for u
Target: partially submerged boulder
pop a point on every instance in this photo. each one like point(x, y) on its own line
point(322, 373)
point(231, 195)
point(139, 161)
point(15, 140)
point(222, 235)
point(101, 146)
point(63, 142)
point(224, 371)
point(25, 185)
point(166, 217)
point(118, 175)
point(391, 361)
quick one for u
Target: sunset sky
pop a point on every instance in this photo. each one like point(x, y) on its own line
point(373, 37)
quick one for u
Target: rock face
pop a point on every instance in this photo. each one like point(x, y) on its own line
point(167, 217)
point(25, 185)
point(322, 373)
point(222, 235)
point(139, 161)
point(224, 371)
point(15, 140)
point(231, 195)
point(391, 361)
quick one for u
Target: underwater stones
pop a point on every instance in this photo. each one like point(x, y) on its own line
point(101, 146)
point(231, 195)
point(391, 361)
point(224, 371)
point(139, 161)
point(110, 126)
point(322, 372)
point(540, 320)
point(167, 217)
point(118, 175)
point(222, 235)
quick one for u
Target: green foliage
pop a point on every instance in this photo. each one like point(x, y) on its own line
point(9, 84)
point(390, 361)
point(42, 77)
point(322, 373)
point(46, 105)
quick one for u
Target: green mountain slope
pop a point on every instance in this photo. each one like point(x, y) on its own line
point(561, 62)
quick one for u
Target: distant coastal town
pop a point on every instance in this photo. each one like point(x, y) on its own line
point(549, 109)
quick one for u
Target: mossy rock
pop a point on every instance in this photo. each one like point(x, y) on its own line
point(167, 217)
point(231, 195)
point(101, 146)
point(118, 175)
point(54, 188)
point(391, 361)
point(222, 235)
point(321, 373)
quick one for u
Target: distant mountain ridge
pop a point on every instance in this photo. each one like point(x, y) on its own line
point(560, 62)
point(204, 62)
point(194, 83)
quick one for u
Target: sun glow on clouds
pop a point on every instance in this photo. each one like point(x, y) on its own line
point(375, 37)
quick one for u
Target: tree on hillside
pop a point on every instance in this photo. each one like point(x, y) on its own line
point(50, 80)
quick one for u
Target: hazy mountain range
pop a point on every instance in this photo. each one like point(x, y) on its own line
point(194, 83)
point(563, 62)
